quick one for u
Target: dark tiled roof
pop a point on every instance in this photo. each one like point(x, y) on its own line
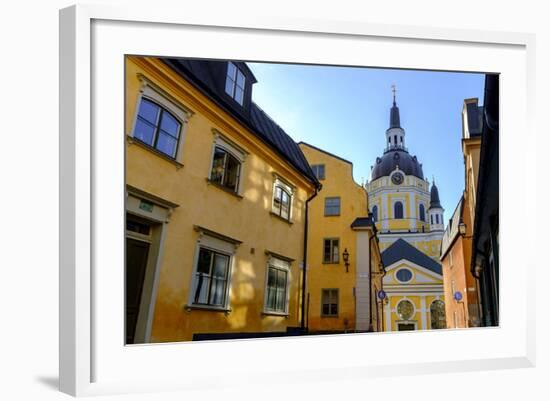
point(209, 76)
point(434, 197)
point(363, 222)
point(452, 228)
point(401, 249)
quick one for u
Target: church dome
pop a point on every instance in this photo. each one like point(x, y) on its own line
point(386, 164)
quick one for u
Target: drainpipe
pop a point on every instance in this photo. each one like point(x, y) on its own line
point(304, 269)
point(370, 283)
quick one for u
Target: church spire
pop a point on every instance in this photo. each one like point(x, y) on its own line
point(394, 113)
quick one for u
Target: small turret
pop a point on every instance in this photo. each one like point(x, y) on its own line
point(436, 210)
point(395, 135)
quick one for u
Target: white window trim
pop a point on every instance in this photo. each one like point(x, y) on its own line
point(291, 189)
point(403, 268)
point(339, 206)
point(235, 85)
point(403, 203)
point(149, 90)
point(397, 310)
point(337, 303)
point(429, 310)
point(280, 264)
point(217, 245)
point(228, 145)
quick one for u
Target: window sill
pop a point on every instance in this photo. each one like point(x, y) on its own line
point(329, 316)
point(133, 141)
point(272, 313)
point(230, 192)
point(281, 218)
point(207, 308)
point(331, 263)
point(332, 215)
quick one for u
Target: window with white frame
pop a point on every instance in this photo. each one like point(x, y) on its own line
point(211, 278)
point(160, 121)
point(282, 199)
point(276, 292)
point(332, 206)
point(329, 302)
point(398, 210)
point(235, 83)
point(157, 127)
point(422, 212)
point(226, 166)
point(331, 249)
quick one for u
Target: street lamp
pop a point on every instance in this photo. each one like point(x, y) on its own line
point(462, 228)
point(345, 255)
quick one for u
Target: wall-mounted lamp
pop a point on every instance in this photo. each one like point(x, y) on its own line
point(345, 255)
point(462, 228)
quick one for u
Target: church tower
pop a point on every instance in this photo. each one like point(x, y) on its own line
point(409, 218)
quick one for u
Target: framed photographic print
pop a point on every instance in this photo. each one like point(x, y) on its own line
point(282, 198)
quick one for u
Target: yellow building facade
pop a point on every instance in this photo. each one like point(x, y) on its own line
point(215, 206)
point(409, 219)
point(344, 270)
point(461, 288)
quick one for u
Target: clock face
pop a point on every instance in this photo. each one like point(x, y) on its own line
point(397, 178)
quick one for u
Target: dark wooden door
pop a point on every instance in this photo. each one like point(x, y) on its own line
point(405, 326)
point(136, 263)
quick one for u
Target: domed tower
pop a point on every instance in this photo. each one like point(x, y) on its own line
point(436, 210)
point(399, 196)
point(409, 219)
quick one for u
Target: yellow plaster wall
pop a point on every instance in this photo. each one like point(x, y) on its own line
point(353, 203)
point(245, 218)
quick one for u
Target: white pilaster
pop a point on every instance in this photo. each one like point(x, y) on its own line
point(423, 313)
point(412, 207)
point(362, 284)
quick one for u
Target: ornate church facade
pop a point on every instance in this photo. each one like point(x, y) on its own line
point(409, 218)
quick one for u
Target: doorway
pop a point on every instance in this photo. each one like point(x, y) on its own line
point(405, 327)
point(137, 254)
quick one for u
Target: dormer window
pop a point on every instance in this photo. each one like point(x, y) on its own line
point(234, 83)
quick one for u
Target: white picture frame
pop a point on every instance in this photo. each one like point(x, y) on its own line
point(93, 359)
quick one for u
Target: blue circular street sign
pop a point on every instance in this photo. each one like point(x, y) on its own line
point(381, 294)
point(457, 296)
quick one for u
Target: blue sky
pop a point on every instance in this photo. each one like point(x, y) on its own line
point(345, 111)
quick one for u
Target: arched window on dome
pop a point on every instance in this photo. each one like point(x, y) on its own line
point(422, 212)
point(375, 213)
point(398, 210)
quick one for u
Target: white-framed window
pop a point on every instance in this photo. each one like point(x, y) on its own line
point(235, 83)
point(277, 286)
point(331, 250)
point(437, 315)
point(227, 164)
point(282, 199)
point(211, 280)
point(160, 121)
point(422, 212)
point(332, 206)
point(404, 275)
point(329, 302)
point(375, 213)
point(398, 210)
